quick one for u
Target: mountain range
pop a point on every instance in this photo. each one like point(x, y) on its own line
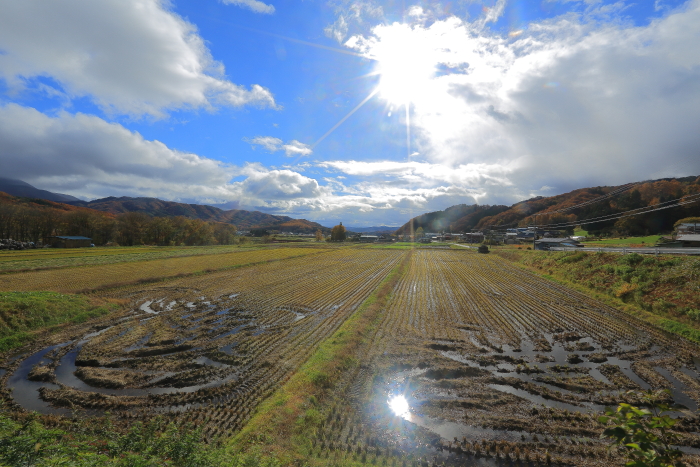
point(576, 207)
point(22, 189)
point(243, 220)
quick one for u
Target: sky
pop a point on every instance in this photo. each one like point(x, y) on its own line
point(366, 112)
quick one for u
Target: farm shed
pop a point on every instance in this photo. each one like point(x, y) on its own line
point(368, 238)
point(547, 243)
point(69, 241)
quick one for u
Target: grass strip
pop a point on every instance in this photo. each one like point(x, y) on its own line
point(24, 314)
point(284, 425)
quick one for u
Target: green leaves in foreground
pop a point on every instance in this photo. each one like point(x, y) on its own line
point(644, 435)
point(95, 442)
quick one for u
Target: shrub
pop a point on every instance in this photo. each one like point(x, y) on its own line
point(643, 435)
point(693, 314)
point(625, 290)
point(632, 259)
point(573, 258)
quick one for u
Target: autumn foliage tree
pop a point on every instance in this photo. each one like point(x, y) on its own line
point(338, 233)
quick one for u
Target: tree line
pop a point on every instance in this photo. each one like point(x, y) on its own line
point(35, 223)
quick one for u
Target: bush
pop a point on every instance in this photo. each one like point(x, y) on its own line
point(632, 259)
point(573, 258)
point(693, 314)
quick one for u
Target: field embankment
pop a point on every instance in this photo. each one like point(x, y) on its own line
point(664, 290)
point(23, 314)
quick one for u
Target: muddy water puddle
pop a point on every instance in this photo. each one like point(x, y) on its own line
point(162, 357)
point(536, 366)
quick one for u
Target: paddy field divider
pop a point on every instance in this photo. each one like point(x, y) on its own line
point(284, 424)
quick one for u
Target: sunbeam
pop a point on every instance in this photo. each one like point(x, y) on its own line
point(357, 107)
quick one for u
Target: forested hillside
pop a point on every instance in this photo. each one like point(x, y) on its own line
point(32, 220)
point(243, 220)
point(579, 206)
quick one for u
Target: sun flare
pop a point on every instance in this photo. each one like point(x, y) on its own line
point(405, 65)
point(399, 405)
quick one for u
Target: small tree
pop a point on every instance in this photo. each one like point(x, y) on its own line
point(319, 235)
point(419, 232)
point(644, 435)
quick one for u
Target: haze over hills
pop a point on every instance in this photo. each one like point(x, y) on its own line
point(546, 210)
point(15, 187)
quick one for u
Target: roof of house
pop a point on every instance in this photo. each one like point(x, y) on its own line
point(689, 238)
point(71, 237)
point(556, 240)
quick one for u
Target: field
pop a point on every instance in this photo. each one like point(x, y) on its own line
point(352, 356)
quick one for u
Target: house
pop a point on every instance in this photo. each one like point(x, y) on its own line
point(474, 237)
point(68, 241)
point(689, 240)
point(688, 228)
point(368, 238)
point(547, 243)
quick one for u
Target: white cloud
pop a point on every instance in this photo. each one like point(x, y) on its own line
point(569, 102)
point(86, 156)
point(130, 56)
point(337, 30)
point(254, 5)
point(272, 144)
point(296, 148)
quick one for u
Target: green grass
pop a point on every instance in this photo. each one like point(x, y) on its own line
point(648, 240)
point(22, 314)
point(25, 441)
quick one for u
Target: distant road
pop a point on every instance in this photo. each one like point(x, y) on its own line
point(642, 251)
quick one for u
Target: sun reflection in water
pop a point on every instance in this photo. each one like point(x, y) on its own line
point(399, 405)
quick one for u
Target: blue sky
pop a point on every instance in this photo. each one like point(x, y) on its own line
point(367, 112)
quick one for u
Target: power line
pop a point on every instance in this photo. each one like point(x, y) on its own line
point(616, 191)
point(643, 210)
point(633, 212)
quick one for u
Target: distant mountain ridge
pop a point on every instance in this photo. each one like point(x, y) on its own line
point(374, 229)
point(22, 189)
point(463, 218)
point(242, 219)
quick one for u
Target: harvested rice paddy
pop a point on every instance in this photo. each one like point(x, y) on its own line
point(467, 360)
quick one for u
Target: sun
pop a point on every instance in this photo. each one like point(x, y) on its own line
point(405, 65)
point(399, 405)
